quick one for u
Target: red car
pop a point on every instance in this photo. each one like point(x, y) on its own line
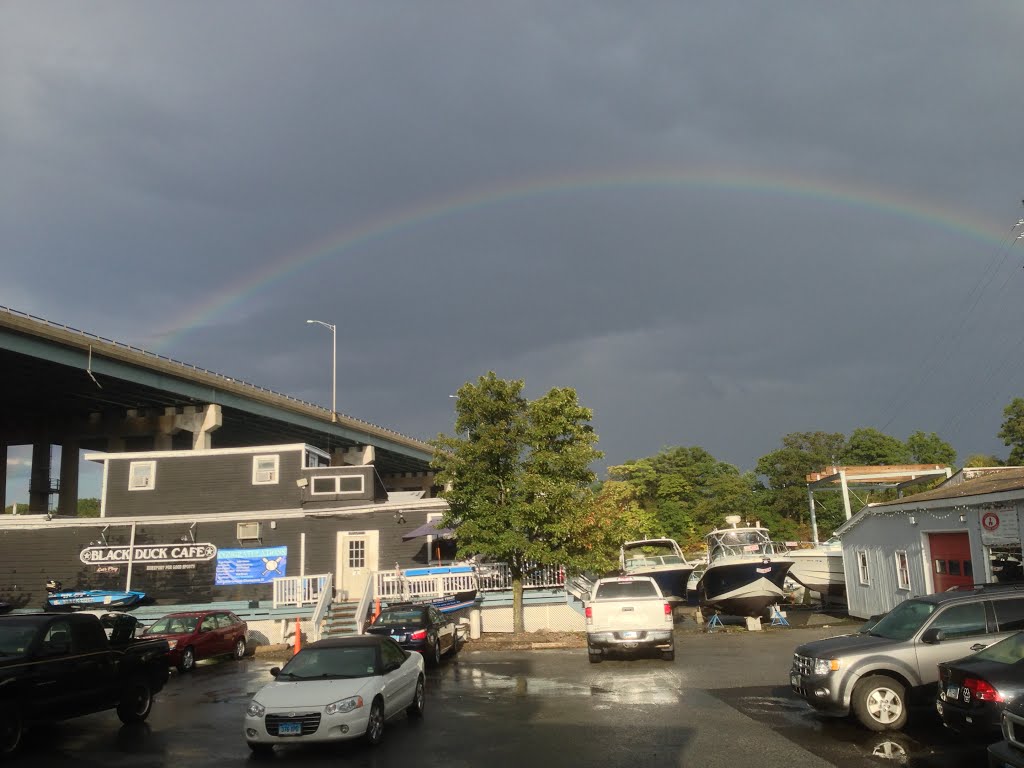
point(196, 635)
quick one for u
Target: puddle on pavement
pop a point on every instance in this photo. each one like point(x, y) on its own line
point(655, 688)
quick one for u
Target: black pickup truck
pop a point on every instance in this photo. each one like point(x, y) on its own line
point(54, 666)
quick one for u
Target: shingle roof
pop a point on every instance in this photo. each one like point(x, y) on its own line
point(1005, 479)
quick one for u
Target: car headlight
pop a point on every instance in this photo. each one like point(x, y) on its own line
point(824, 666)
point(255, 709)
point(345, 705)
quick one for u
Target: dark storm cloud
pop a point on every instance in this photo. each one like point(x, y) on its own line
point(155, 157)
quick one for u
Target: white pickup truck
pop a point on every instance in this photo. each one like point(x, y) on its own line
point(628, 613)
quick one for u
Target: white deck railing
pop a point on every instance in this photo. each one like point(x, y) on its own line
point(496, 577)
point(301, 590)
point(396, 586)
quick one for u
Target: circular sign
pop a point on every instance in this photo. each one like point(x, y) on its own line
point(990, 521)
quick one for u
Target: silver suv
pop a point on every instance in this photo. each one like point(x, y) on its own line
point(876, 671)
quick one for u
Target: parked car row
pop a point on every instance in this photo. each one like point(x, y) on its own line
point(963, 649)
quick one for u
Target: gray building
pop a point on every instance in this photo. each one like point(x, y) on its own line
point(964, 532)
point(221, 524)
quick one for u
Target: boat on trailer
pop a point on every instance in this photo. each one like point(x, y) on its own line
point(72, 599)
point(820, 569)
point(746, 570)
point(663, 561)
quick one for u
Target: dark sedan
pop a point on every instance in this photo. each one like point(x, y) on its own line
point(420, 628)
point(974, 690)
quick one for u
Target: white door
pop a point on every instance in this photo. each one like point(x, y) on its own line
point(357, 562)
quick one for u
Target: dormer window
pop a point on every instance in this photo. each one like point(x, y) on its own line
point(142, 476)
point(265, 470)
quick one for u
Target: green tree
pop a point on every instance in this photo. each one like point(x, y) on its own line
point(786, 470)
point(870, 447)
point(983, 460)
point(516, 475)
point(88, 508)
point(1012, 431)
point(930, 449)
point(688, 490)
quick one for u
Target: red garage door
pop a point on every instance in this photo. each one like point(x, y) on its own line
point(951, 560)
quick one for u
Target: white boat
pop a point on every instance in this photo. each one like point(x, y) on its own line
point(662, 560)
point(820, 568)
point(746, 570)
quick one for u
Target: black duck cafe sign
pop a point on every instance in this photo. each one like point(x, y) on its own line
point(148, 553)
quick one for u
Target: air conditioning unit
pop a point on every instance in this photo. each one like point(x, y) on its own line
point(248, 531)
point(265, 476)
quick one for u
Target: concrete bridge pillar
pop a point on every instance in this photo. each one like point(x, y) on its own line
point(354, 456)
point(39, 479)
point(67, 501)
point(3, 476)
point(200, 422)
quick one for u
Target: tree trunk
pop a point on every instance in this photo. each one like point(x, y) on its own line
point(518, 622)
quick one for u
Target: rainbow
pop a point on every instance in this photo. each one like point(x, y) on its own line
point(819, 191)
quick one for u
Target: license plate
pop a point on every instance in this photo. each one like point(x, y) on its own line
point(953, 692)
point(398, 638)
point(794, 680)
point(629, 635)
point(289, 729)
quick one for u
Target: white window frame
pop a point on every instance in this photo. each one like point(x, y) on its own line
point(150, 477)
point(337, 485)
point(863, 574)
point(266, 476)
point(902, 569)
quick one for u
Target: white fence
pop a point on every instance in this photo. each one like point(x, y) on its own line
point(496, 577)
point(397, 586)
point(301, 590)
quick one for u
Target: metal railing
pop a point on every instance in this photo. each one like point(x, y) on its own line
point(364, 604)
point(301, 590)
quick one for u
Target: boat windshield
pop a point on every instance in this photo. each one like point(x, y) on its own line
point(742, 542)
point(903, 621)
point(651, 554)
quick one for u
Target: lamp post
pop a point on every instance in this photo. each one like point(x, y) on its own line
point(334, 365)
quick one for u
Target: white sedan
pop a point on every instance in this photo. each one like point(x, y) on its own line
point(336, 689)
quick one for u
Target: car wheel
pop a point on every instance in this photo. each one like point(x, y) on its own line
point(239, 651)
point(415, 708)
point(11, 730)
point(594, 654)
point(375, 725)
point(136, 702)
point(669, 655)
point(188, 660)
point(879, 703)
point(261, 750)
point(435, 652)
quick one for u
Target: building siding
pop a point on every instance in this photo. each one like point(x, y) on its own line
point(32, 555)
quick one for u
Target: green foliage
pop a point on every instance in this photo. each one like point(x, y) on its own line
point(22, 508)
point(88, 508)
point(1012, 431)
point(688, 491)
point(517, 478)
point(930, 449)
point(870, 447)
point(786, 469)
point(983, 460)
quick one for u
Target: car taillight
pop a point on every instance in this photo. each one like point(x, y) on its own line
point(981, 690)
point(668, 612)
point(590, 615)
point(419, 635)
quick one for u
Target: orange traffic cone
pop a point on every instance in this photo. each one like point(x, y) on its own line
point(376, 609)
point(298, 635)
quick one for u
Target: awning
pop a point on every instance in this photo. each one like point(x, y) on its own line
point(428, 529)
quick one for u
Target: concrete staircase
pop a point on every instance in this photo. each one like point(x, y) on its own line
point(340, 620)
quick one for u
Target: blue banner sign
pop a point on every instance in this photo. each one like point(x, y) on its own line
point(251, 566)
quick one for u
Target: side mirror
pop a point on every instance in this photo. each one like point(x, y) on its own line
point(933, 636)
point(275, 671)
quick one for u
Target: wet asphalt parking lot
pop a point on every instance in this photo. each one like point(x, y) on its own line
point(723, 702)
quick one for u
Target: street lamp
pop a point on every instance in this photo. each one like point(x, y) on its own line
point(334, 365)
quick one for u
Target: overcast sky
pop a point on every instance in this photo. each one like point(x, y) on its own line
point(719, 222)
